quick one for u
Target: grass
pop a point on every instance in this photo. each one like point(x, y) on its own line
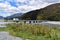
point(2, 29)
point(33, 32)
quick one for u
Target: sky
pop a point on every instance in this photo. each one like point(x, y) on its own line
point(10, 7)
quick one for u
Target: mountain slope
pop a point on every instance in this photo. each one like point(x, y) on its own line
point(14, 16)
point(30, 15)
point(1, 17)
point(51, 12)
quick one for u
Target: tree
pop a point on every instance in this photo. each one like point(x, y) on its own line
point(39, 17)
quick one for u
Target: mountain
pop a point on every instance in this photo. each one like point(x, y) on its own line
point(13, 16)
point(1, 17)
point(51, 12)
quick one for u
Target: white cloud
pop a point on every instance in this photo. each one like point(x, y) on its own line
point(7, 8)
point(21, 0)
point(23, 5)
point(31, 5)
point(34, 4)
point(51, 1)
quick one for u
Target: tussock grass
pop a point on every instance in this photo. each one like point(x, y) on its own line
point(2, 29)
point(33, 31)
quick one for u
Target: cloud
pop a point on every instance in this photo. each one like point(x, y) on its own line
point(51, 1)
point(28, 5)
point(9, 7)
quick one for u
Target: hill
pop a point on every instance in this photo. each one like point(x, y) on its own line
point(1, 17)
point(13, 16)
point(51, 12)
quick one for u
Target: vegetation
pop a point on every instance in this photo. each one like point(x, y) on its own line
point(34, 32)
point(51, 12)
point(2, 29)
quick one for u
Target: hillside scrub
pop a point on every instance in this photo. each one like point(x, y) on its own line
point(50, 12)
point(33, 31)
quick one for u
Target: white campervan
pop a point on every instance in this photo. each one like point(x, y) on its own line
point(15, 19)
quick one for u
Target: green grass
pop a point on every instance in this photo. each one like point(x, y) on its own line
point(33, 32)
point(2, 29)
